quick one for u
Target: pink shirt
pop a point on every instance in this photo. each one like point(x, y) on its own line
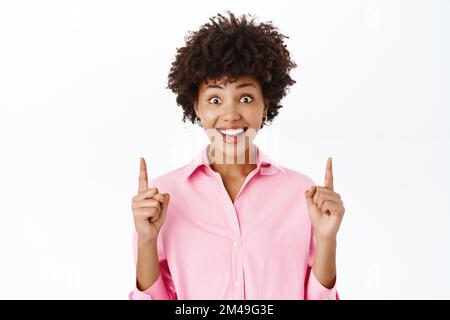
point(259, 247)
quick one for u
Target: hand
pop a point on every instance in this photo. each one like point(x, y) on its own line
point(149, 207)
point(325, 207)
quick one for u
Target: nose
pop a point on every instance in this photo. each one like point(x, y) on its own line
point(230, 113)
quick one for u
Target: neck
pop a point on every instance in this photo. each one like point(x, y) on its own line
point(232, 164)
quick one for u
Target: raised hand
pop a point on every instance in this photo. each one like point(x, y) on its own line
point(149, 207)
point(325, 207)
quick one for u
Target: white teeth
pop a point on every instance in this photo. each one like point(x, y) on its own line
point(232, 132)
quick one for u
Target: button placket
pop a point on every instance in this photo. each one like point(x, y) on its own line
point(231, 212)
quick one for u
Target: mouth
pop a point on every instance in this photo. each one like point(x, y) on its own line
point(232, 136)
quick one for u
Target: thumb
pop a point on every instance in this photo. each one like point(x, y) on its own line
point(165, 202)
point(164, 205)
point(309, 194)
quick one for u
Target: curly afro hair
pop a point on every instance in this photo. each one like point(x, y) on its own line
point(231, 47)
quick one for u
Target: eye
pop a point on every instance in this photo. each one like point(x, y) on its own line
point(246, 99)
point(214, 100)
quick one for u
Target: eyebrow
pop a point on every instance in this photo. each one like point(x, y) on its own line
point(242, 85)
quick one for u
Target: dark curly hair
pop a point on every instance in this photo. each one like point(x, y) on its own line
point(231, 47)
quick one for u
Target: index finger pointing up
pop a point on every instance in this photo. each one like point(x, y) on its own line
point(143, 180)
point(329, 175)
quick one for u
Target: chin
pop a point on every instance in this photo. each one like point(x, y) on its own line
point(232, 150)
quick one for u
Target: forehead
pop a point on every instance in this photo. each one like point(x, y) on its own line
point(225, 80)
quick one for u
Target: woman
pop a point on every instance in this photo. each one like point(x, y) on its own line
point(234, 224)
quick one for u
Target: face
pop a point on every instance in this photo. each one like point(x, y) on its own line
point(239, 106)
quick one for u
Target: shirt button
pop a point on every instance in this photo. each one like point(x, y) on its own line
point(236, 283)
point(235, 244)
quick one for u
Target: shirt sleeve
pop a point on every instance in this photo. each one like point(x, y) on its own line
point(163, 288)
point(314, 290)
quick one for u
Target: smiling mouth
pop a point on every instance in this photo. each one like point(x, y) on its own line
point(234, 136)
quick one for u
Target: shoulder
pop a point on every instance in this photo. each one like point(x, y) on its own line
point(296, 177)
point(170, 179)
point(283, 174)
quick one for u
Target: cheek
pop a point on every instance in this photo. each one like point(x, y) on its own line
point(209, 117)
point(253, 116)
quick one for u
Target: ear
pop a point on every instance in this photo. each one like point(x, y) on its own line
point(196, 108)
point(266, 107)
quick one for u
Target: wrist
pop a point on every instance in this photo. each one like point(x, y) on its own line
point(320, 241)
point(146, 242)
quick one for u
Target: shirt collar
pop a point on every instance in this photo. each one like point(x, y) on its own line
point(265, 165)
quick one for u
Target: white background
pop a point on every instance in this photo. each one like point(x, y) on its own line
point(82, 97)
